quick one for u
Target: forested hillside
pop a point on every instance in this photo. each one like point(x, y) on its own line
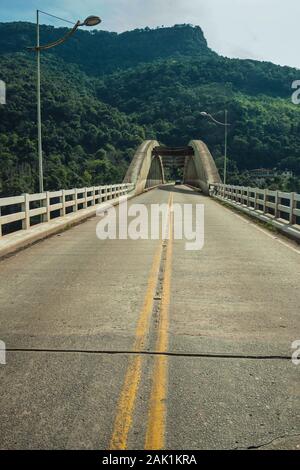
point(101, 52)
point(168, 97)
point(85, 140)
point(103, 93)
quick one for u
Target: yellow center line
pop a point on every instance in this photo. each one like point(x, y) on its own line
point(155, 434)
point(125, 407)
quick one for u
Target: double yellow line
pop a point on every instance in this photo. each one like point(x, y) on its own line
point(157, 409)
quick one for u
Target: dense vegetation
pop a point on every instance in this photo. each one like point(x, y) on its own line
point(103, 93)
point(85, 141)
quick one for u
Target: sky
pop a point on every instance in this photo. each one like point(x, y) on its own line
point(256, 29)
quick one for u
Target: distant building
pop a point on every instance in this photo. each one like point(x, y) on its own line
point(267, 173)
point(262, 173)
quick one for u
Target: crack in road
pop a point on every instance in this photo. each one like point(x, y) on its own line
point(258, 446)
point(151, 353)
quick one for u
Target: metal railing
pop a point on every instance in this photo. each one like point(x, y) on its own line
point(22, 212)
point(273, 205)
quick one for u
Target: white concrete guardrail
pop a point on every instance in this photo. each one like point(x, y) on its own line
point(280, 209)
point(28, 218)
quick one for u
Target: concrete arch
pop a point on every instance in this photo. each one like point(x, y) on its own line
point(147, 167)
point(200, 169)
point(146, 170)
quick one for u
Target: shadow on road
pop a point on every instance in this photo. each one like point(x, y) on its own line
point(180, 189)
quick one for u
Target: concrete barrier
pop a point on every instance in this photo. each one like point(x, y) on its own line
point(277, 208)
point(84, 203)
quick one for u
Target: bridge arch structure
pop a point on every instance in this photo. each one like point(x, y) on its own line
point(147, 168)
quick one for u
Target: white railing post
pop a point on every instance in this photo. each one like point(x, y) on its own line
point(248, 196)
point(265, 202)
point(47, 205)
point(75, 200)
point(26, 209)
point(63, 201)
point(100, 194)
point(276, 205)
point(94, 196)
point(255, 199)
point(292, 217)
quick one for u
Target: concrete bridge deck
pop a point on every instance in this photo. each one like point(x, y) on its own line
point(76, 311)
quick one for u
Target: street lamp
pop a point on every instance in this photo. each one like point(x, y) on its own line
point(225, 124)
point(89, 21)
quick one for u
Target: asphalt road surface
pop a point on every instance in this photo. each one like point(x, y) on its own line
point(133, 344)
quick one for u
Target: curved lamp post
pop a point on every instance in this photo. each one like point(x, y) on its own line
point(89, 21)
point(225, 124)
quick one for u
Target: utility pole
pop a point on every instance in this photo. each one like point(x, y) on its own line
point(225, 124)
point(89, 21)
point(39, 113)
point(225, 145)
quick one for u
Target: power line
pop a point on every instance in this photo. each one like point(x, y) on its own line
point(57, 17)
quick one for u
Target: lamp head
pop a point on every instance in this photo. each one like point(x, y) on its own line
point(92, 21)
